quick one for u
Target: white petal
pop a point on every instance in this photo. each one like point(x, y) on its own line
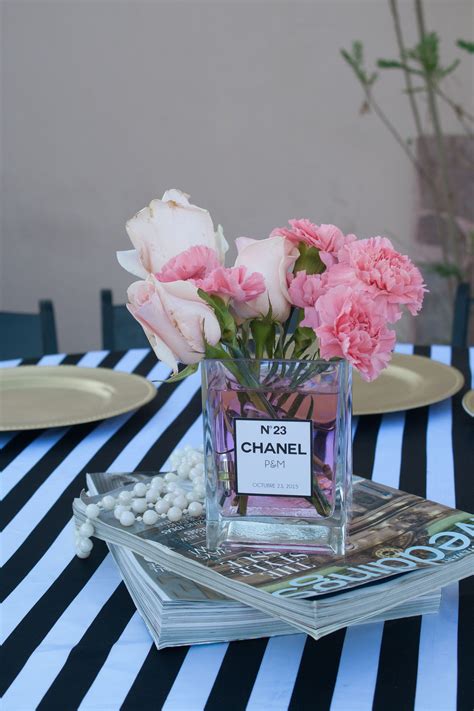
point(162, 351)
point(221, 243)
point(130, 261)
point(177, 196)
point(243, 242)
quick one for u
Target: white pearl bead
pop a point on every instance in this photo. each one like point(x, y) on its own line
point(199, 468)
point(162, 506)
point(92, 511)
point(81, 554)
point(195, 508)
point(139, 489)
point(171, 476)
point(86, 530)
point(108, 502)
point(119, 510)
point(180, 501)
point(127, 518)
point(152, 495)
point(139, 505)
point(125, 497)
point(85, 545)
point(191, 496)
point(171, 486)
point(150, 517)
point(157, 482)
point(175, 513)
point(182, 470)
point(168, 497)
point(199, 491)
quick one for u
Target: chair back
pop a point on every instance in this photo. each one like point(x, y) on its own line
point(120, 331)
point(28, 335)
point(462, 307)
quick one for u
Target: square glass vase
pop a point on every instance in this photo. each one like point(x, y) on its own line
point(277, 454)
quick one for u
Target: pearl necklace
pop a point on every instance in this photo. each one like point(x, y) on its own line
point(147, 503)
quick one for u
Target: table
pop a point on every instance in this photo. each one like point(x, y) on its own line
point(72, 638)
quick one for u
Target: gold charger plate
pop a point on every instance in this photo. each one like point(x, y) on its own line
point(409, 381)
point(34, 397)
point(468, 402)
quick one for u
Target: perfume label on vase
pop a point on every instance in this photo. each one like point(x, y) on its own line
point(273, 457)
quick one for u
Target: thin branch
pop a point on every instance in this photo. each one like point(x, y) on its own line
point(458, 112)
point(406, 73)
point(455, 107)
point(397, 136)
point(416, 116)
point(443, 163)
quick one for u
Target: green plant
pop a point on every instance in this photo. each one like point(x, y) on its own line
point(423, 74)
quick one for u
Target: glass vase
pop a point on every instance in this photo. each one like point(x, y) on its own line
point(277, 444)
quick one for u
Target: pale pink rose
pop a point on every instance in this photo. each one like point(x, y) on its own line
point(174, 318)
point(305, 289)
point(164, 229)
point(274, 258)
point(328, 239)
point(194, 263)
point(233, 283)
point(351, 325)
point(388, 276)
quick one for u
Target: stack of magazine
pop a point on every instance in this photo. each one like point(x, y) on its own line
point(403, 549)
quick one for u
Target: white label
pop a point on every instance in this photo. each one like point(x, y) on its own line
point(273, 457)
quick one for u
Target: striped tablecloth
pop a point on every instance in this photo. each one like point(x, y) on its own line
point(72, 638)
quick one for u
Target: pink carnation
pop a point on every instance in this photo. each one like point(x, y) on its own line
point(234, 283)
point(194, 263)
point(388, 276)
point(328, 239)
point(350, 324)
point(305, 289)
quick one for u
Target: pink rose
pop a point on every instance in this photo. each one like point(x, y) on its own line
point(350, 324)
point(174, 318)
point(164, 229)
point(388, 276)
point(233, 283)
point(328, 239)
point(274, 258)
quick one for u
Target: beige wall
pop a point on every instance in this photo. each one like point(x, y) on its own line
point(248, 106)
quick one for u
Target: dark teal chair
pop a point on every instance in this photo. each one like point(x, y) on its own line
point(462, 308)
point(120, 331)
point(28, 335)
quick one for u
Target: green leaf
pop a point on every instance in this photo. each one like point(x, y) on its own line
point(394, 64)
point(358, 51)
point(390, 64)
point(223, 315)
point(447, 70)
point(466, 44)
point(217, 352)
point(309, 260)
point(189, 370)
point(426, 53)
point(356, 61)
point(304, 337)
point(263, 334)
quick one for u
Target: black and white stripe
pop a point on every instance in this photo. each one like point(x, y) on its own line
point(72, 638)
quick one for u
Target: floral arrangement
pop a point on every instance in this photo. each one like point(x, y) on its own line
point(305, 292)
